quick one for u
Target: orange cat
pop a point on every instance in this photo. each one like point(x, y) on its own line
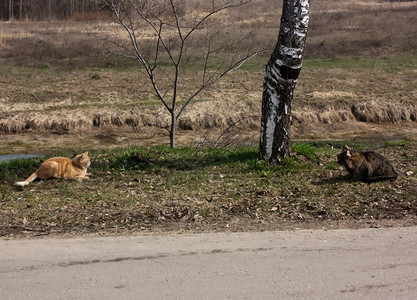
point(61, 167)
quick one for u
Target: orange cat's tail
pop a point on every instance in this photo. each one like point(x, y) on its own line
point(27, 181)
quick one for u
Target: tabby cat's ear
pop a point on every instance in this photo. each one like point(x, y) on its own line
point(346, 147)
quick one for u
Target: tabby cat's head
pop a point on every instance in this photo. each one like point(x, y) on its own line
point(345, 155)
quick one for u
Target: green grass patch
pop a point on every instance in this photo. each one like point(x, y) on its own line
point(158, 188)
point(396, 143)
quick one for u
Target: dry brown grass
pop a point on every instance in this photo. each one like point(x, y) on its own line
point(374, 112)
point(56, 79)
point(361, 28)
point(336, 28)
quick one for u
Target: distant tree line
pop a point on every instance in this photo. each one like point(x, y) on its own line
point(45, 9)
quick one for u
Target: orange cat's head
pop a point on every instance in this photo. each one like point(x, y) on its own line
point(82, 160)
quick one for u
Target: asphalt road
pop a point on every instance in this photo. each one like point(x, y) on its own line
point(340, 264)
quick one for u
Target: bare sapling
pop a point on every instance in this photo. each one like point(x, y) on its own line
point(182, 47)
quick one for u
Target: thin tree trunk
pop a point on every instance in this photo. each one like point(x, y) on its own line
point(172, 131)
point(71, 8)
point(281, 76)
point(49, 9)
point(11, 10)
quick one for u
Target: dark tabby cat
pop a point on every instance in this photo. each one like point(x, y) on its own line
point(367, 166)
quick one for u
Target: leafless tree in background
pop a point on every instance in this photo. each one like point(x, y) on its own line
point(45, 9)
point(11, 9)
point(281, 76)
point(174, 43)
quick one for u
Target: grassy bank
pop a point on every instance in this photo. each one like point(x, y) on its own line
point(188, 189)
point(60, 92)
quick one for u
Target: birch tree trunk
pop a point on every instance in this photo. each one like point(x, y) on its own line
point(281, 76)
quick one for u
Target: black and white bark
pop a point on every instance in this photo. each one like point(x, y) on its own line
point(280, 79)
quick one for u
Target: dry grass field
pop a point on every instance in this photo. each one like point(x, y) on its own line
point(359, 77)
point(358, 80)
point(61, 93)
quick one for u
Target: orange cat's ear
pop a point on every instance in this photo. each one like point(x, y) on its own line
point(85, 154)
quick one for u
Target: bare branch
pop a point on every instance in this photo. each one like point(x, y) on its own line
point(173, 40)
point(213, 80)
point(157, 29)
point(222, 139)
point(230, 127)
point(213, 12)
point(177, 22)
